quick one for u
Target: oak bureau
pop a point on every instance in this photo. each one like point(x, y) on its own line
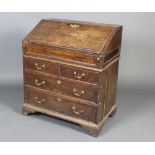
point(71, 70)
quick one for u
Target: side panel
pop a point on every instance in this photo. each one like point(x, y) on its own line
point(114, 42)
point(112, 75)
point(107, 90)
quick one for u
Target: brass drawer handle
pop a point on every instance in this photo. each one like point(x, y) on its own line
point(78, 76)
point(42, 83)
point(78, 93)
point(40, 67)
point(39, 101)
point(74, 25)
point(77, 112)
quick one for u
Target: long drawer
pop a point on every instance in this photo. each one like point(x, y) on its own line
point(60, 104)
point(62, 85)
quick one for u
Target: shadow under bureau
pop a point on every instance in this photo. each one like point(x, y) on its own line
point(70, 71)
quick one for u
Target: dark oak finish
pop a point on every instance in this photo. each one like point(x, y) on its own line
point(57, 84)
point(71, 70)
point(60, 55)
point(41, 66)
point(64, 105)
point(79, 74)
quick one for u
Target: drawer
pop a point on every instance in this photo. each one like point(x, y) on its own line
point(63, 86)
point(41, 66)
point(79, 74)
point(60, 104)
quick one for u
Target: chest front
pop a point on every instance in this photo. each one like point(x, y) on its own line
point(70, 71)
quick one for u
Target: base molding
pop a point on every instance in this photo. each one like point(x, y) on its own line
point(92, 128)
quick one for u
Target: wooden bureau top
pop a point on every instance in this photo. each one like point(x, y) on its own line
point(73, 35)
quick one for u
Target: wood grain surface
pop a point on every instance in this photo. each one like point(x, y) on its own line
point(71, 71)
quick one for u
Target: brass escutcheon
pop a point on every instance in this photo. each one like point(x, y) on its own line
point(59, 99)
point(58, 82)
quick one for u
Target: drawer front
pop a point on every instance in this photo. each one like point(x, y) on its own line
point(41, 66)
point(63, 86)
point(79, 74)
point(60, 104)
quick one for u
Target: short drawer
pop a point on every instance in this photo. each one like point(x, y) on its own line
point(41, 66)
point(79, 74)
point(60, 104)
point(61, 85)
